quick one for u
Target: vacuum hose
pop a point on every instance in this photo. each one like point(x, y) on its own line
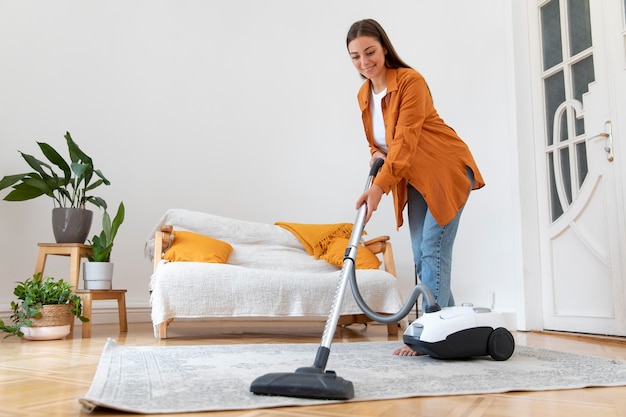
point(429, 303)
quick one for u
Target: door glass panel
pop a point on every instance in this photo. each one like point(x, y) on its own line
point(551, 34)
point(555, 206)
point(579, 26)
point(581, 155)
point(582, 76)
point(554, 96)
point(565, 174)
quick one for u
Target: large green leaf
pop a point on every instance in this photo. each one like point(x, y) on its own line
point(22, 192)
point(98, 202)
point(104, 180)
point(36, 164)
point(118, 220)
point(106, 226)
point(76, 154)
point(9, 180)
point(54, 157)
point(45, 186)
point(94, 185)
point(82, 171)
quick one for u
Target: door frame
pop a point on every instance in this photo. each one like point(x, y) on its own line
point(526, 61)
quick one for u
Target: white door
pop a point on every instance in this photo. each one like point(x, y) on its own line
point(580, 88)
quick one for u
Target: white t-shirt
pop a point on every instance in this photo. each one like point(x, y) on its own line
point(378, 124)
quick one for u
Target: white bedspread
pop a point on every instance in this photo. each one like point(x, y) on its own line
point(269, 274)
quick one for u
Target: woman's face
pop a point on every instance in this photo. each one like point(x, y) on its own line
point(368, 57)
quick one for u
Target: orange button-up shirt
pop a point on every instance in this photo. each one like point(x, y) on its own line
point(422, 150)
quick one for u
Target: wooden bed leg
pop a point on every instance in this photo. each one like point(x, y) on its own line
point(392, 329)
point(163, 328)
point(162, 240)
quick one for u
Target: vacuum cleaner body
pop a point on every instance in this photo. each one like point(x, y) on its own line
point(460, 332)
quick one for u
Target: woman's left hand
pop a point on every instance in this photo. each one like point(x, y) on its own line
point(377, 155)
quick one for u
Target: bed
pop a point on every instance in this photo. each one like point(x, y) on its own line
point(269, 273)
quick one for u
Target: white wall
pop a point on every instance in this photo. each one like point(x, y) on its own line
point(248, 109)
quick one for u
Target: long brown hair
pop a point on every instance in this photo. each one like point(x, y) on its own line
point(373, 29)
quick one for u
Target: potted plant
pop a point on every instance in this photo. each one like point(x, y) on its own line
point(44, 311)
point(68, 183)
point(98, 272)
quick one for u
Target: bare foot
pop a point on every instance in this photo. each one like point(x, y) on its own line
point(405, 351)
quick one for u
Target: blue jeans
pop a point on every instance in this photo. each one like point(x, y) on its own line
point(432, 246)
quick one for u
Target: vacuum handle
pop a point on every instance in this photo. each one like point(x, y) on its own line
point(378, 163)
point(359, 223)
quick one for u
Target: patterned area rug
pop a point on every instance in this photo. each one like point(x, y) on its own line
point(177, 379)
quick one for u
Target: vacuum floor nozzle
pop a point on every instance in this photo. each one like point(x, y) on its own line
point(308, 382)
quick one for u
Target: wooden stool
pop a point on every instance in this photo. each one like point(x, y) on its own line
point(87, 296)
point(77, 251)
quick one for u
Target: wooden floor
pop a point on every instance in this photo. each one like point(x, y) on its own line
point(40, 379)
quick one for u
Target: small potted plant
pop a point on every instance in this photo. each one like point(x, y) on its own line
point(98, 272)
point(68, 183)
point(44, 311)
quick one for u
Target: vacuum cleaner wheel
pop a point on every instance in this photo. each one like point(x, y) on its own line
point(501, 344)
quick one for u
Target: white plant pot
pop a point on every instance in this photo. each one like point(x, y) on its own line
point(54, 323)
point(98, 275)
point(46, 333)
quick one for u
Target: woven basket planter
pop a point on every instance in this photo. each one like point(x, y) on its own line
point(54, 315)
point(55, 323)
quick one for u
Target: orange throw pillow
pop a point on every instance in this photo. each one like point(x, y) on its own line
point(365, 258)
point(194, 247)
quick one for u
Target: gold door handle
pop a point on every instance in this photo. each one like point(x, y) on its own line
point(608, 130)
point(608, 135)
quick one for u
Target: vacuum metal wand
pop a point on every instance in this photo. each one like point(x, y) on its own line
point(347, 268)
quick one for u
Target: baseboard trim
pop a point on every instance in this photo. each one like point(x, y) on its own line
point(111, 316)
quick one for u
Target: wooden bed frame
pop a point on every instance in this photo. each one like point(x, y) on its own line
point(378, 245)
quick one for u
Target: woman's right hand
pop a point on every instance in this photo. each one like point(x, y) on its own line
point(370, 198)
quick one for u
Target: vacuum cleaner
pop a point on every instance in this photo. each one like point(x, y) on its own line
point(448, 333)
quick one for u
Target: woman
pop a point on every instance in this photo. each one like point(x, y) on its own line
point(427, 165)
